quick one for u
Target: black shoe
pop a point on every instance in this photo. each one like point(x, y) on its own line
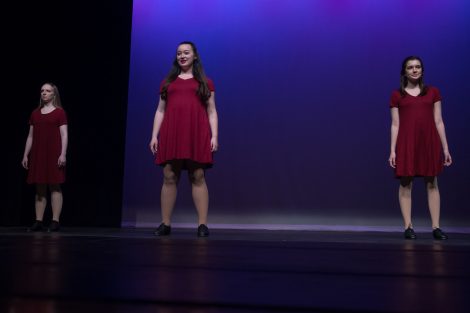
point(37, 226)
point(202, 231)
point(438, 234)
point(54, 227)
point(410, 233)
point(163, 230)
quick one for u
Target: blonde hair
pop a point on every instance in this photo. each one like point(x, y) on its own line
point(56, 100)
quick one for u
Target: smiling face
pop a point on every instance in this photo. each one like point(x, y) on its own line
point(47, 93)
point(185, 56)
point(413, 70)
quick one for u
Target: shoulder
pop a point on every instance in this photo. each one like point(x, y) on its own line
point(434, 93)
point(433, 89)
point(60, 111)
point(61, 116)
point(210, 84)
point(36, 112)
point(395, 98)
point(395, 93)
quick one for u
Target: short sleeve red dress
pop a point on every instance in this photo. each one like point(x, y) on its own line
point(418, 149)
point(46, 147)
point(185, 131)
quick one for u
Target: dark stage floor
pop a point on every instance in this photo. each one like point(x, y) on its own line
point(130, 270)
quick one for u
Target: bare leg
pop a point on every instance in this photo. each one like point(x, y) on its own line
point(41, 201)
point(169, 192)
point(404, 197)
point(200, 194)
point(434, 201)
point(57, 201)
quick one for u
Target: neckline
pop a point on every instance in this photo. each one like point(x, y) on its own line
point(47, 112)
point(186, 78)
point(409, 94)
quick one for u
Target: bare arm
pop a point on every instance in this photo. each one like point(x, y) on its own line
point(157, 123)
point(393, 136)
point(213, 122)
point(27, 148)
point(64, 139)
point(442, 132)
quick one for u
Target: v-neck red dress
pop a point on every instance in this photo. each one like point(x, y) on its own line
point(46, 147)
point(185, 131)
point(419, 148)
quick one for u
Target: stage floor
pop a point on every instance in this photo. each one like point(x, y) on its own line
point(130, 270)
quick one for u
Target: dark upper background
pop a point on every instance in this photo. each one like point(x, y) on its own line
point(83, 47)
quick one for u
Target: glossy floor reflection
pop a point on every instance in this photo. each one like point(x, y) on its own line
point(130, 270)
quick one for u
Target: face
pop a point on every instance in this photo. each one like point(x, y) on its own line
point(185, 56)
point(47, 93)
point(413, 70)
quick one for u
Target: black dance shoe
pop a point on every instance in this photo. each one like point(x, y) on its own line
point(202, 231)
point(54, 227)
point(410, 233)
point(163, 230)
point(438, 234)
point(37, 226)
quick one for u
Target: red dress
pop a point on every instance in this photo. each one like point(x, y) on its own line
point(418, 149)
point(185, 131)
point(46, 147)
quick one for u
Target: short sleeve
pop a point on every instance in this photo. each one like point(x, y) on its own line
point(62, 117)
point(162, 84)
point(395, 99)
point(210, 84)
point(31, 119)
point(436, 95)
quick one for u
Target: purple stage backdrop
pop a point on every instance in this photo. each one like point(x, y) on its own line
point(302, 91)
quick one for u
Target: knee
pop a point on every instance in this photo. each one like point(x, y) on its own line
point(432, 186)
point(197, 177)
point(170, 179)
point(431, 183)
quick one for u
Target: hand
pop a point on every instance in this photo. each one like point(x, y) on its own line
point(447, 158)
point(153, 145)
point(214, 144)
point(392, 160)
point(24, 162)
point(61, 161)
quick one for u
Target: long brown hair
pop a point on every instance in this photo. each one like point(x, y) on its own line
point(198, 73)
point(404, 80)
point(56, 100)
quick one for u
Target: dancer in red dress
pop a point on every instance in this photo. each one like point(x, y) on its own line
point(418, 141)
point(184, 134)
point(45, 154)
